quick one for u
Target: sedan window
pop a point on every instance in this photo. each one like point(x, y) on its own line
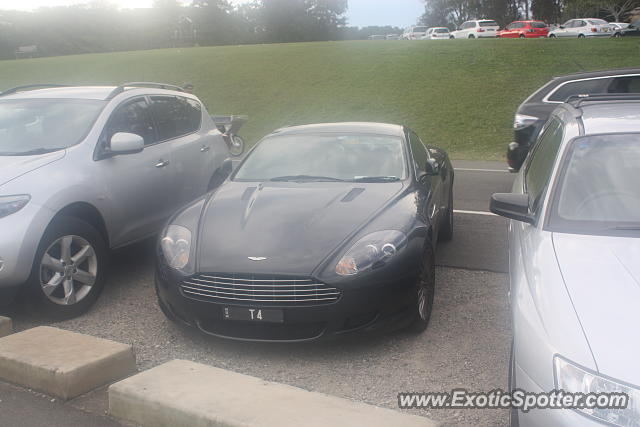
point(325, 157)
point(597, 191)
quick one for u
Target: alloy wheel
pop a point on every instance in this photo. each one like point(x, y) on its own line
point(68, 270)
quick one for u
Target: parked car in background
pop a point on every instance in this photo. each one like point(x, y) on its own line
point(87, 169)
point(437, 33)
point(393, 36)
point(617, 26)
point(535, 110)
point(377, 37)
point(631, 30)
point(574, 244)
point(323, 229)
point(524, 29)
point(482, 28)
point(414, 33)
point(581, 28)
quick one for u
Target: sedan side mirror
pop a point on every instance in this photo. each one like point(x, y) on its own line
point(126, 143)
point(432, 167)
point(512, 206)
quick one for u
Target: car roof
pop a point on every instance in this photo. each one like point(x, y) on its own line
point(599, 73)
point(102, 93)
point(346, 127)
point(610, 116)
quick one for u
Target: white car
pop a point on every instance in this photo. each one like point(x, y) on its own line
point(617, 28)
point(414, 33)
point(584, 27)
point(481, 28)
point(437, 33)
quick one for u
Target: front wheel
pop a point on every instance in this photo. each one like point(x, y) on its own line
point(617, 35)
point(451, 37)
point(471, 36)
point(425, 292)
point(69, 270)
point(522, 36)
point(446, 232)
point(236, 147)
point(581, 36)
point(552, 36)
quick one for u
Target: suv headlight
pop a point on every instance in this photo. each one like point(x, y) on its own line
point(12, 204)
point(522, 121)
point(574, 379)
point(372, 250)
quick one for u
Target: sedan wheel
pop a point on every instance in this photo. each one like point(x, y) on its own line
point(580, 36)
point(68, 273)
point(425, 294)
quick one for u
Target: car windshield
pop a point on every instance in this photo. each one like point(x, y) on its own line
point(441, 30)
point(598, 22)
point(420, 30)
point(488, 24)
point(36, 126)
point(325, 157)
point(598, 190)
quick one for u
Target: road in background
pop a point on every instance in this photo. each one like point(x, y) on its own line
point(465, 346)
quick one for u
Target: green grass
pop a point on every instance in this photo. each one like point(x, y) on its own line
point(458, 94)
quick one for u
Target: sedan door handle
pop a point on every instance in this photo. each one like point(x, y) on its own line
point(162, 163)
point(205, 148)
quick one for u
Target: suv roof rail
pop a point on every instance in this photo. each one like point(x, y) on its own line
point(123, 86)
point(577, 100)
point(27, 87)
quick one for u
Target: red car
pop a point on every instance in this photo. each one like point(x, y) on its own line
point(525, 29)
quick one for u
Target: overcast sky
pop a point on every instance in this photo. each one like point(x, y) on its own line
point(361, 13)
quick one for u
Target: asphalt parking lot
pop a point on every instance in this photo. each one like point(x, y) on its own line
point(465, 346)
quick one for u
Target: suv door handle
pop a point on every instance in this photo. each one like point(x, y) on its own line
point(162, 163)
point(205, 148)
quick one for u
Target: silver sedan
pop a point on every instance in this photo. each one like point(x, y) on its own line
point(574, 246)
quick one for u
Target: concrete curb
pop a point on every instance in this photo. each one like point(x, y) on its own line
point(183, 393)
point(6, 326)
point(62, 363)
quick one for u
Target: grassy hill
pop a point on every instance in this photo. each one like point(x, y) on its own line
point(458, 94)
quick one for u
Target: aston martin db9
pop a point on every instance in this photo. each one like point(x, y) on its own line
point(322, 230)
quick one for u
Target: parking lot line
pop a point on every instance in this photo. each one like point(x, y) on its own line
point(474, 212)
point(481, 170)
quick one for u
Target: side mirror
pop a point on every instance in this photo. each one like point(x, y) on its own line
point(432, 167)
point(512, 206)
point(126, 143)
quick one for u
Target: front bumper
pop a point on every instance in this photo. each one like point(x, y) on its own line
point(369, 308)
point(21, 233)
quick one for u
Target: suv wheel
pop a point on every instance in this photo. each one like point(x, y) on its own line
point(68, 272)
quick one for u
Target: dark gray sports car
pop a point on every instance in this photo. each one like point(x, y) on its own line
point(323, 229)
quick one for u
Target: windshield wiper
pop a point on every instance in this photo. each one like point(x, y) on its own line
point(306, 178)
point(376, 179)
point(33, 152)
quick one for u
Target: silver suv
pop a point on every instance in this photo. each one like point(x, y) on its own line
point(88, 169)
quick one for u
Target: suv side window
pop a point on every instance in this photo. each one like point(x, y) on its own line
point(175, 116)
point(132, 117)
point(538, 172)
point(419, 151)
point(627, 84)
point(580, 87)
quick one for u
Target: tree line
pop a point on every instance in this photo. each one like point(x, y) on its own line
point(102, 27)
point(452, 13)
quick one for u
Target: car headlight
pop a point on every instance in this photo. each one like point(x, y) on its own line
point(574, 379)
point(372, 250)
point(176, 246)
point(522, 121)
point(12, 204)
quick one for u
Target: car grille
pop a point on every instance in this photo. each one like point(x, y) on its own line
point(259, 289)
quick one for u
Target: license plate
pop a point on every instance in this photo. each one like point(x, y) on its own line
point(253, 314)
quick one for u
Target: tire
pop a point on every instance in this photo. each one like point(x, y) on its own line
point(69, 269)
point(581, 36)
point(552, 36)
point(446, 231)
point(451, 37)
point(236, 147)
point(617, 35)
point(425, 292)
point(522, 36)
point(471, 36)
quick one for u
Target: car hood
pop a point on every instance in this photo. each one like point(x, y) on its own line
point(11, 167)
point(295, 226)
point(602, 275)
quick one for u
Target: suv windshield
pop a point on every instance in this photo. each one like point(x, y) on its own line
point(597, 191)
point(325, 157)
point(35, 126)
